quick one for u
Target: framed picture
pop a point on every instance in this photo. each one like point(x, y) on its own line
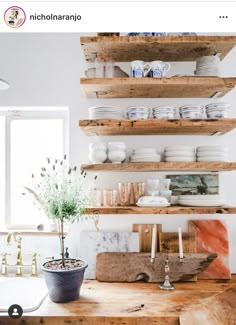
point(194, 184)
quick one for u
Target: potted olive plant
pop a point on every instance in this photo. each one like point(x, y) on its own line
point(62, 193)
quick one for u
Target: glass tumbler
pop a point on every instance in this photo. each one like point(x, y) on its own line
point(138, 190)
point(124, 193)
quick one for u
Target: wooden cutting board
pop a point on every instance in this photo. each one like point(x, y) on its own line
point(169, 242)
point(131, 267)
point(145, 236)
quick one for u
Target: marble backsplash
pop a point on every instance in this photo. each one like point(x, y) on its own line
point(94, 242)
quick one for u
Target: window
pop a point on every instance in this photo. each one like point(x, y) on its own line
point(27, 138)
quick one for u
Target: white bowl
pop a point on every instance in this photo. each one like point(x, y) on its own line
point(217, 114)
point(97, 156)
point(179, 159)
point(179, 148)
point(212, 148)
point(179, 154)
point(116, 146)
point(116, 156)
point(97, 146)
point(191, 114)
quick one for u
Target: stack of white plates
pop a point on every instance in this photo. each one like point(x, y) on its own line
point(179, 153)
point(191, 111)
point(201, 200)
point(217, 110)
point(207, 66)
point(145, 154)
point(212, 153)
point(105, 112)
point(137, 113)
point(164, 112)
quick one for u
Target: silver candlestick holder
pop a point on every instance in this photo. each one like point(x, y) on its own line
point(167, 285)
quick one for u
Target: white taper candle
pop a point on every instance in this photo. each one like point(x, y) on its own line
point(154, 241)
point(181, 253)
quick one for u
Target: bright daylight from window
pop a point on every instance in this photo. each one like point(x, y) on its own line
point(31, 142)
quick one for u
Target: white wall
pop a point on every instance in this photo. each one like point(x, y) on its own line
point(45, 70)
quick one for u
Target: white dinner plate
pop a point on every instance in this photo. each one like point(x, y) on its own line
point(179, 154)
point(212, 154)
point(201, 204)
point(179, 148)
point(212, 148)
point(183, 159)
point(212, 158)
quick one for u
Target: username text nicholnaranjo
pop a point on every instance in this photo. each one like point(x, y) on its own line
point(74, 17)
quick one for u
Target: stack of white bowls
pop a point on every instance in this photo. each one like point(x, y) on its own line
point(97, 152)
point(164, 112)
point(217, 110)
point(137, 113)
point(116, 152)
point(191, 111)
point(201, 200)
point(105, 112)
point(208, 66)
point(145, 154)
point(179, 153)
point(212, 153)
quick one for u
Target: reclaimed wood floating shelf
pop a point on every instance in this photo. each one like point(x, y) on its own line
point(161, 166)
point(172, 87)
point(168, 48)
point(160, 127)
point(174, 209)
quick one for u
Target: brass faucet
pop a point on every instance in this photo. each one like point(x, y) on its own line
point(4, 263)
point(19, 262)
point(17, 237)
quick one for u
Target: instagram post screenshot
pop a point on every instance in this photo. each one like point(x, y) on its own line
point(117, 163)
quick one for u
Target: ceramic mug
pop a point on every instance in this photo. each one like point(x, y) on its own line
point(158, 69)
point(139, 69)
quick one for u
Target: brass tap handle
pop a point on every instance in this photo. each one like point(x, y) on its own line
point(4, 263)
point(34, 268)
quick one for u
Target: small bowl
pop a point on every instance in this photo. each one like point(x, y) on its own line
point(116, 156)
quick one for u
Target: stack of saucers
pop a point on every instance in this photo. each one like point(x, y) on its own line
point(217, 110)
point(207, 66)
point(201, 200)
point(138, 113)
point(179, 153)
point(191, 111)
point(212, 153)
point(145, 154)
point(164, 112)
point(105, 112)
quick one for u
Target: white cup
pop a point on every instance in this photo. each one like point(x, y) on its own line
point(139, 69)
point(158, 69)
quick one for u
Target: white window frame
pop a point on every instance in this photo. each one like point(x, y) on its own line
point(11, 114)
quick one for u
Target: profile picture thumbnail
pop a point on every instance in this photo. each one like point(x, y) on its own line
point(14, 17)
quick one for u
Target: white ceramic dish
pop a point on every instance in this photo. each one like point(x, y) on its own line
point(179, 154)
point(215, 158)
point(153, 205)
point(200, 197)
point(179, 148)
point(201, 204)
point(179, 159)
point(145, 150)
point(212, 148)
point(211, 153)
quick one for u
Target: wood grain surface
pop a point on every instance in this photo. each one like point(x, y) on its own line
point(145, 236)
point(158, 126)
point(168, 48)
point(172, 87)
point(106, 304)
point(131, 267)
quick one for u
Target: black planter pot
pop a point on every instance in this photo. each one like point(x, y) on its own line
point(64, 285)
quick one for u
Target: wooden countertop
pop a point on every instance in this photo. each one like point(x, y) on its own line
point(103, 303)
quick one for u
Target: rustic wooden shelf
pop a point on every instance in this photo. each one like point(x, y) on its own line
point(174, 209)
point(169, 48)
point(174, 87)
point(158, 127)
point(161, 166)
